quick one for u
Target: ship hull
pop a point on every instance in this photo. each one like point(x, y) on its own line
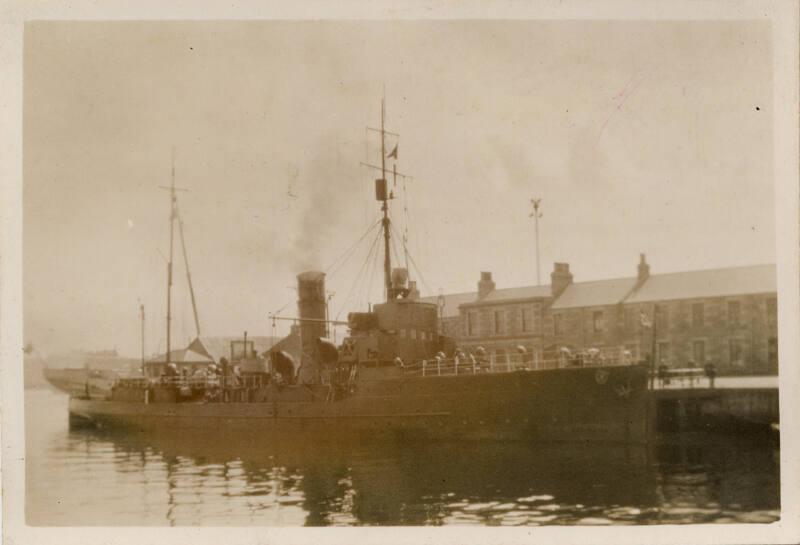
point(597, 404)
point(74, 381)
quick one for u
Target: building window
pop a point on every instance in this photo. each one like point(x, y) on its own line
point(531, 319)
point(662, 317)
point(527, 319)
point(403, 333)
point(735, 352)
point(558, 324)
point(663, 356)
point(734, 311)
point(598, 321)
point(499, 326)
point(699, 352)
point(630, 320)
point(472, 323)
point(772, 311)
point(772, 352)
point(414, 334)
point(698, 315)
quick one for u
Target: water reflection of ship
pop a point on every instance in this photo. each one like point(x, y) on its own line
point(391, 483)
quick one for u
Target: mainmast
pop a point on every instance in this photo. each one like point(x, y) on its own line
point(173, 212)
point(387, 263)
point(384, 195)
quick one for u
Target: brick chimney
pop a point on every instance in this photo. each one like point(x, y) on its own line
point(560, 278)
point(643, 271)
point(486, 285)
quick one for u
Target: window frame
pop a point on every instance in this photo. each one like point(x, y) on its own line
point(598, 321)
point(701, 322)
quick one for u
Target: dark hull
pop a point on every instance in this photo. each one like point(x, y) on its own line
point(595, 404)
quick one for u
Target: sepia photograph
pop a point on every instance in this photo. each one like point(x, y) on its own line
point(399, 272)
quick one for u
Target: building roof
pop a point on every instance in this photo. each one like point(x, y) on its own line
point(220, 347)
point(595, 293)
point(707, 283)
point(451, 302)
point(522, 292)
point(182, 355)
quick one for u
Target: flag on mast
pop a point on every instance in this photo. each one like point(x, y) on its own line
point(645, 321)
point(393, 153)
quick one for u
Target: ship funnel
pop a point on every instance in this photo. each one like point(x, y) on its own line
point(399, 278)
point(399, 283)
point(311, 309)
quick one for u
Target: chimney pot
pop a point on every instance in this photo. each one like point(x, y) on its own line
point(486, 285)
point(643, 271)
point(560, 278)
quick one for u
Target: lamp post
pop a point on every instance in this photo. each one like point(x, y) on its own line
point(536, 215)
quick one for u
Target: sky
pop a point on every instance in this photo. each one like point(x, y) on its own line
point(650, 138)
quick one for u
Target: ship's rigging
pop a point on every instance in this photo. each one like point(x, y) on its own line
point(174, 214)
point(358, 294)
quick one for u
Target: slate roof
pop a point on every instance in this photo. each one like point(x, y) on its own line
point(594, 293)
point(707, 283)
point(523, 292)
point(451, 302)
point(658, 287)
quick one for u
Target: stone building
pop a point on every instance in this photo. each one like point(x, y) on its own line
point(500, 320)
point(449, 317)
point(725, 316)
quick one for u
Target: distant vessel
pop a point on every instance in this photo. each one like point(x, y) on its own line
point(79, 372)
point(394, 374)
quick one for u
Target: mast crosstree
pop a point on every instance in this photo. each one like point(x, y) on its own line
point(384, 195)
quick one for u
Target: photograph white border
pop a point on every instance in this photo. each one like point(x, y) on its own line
point(783, 16)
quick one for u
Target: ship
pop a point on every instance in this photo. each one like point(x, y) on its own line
point(394, 375)
point(78, 372)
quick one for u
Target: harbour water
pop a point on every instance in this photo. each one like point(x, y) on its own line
point(91, 478)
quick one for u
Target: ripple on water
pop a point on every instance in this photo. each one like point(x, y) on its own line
point(80, 478)
point(535, 498)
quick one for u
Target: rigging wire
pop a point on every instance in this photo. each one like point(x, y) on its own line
point(416, 268)
point(371, 277)
point(359, 274)
point(338, 262)
point(395, 252)
point(345, 256)
point(405, 223)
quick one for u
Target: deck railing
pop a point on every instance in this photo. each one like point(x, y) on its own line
point(195, 382)
point(472, 364)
